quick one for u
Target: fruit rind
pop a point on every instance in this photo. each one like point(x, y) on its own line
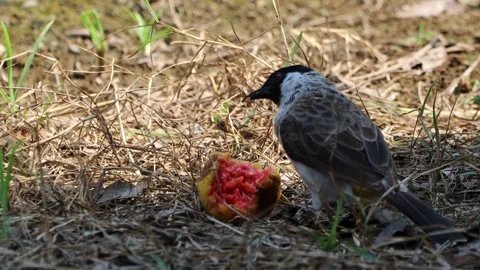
point(265, 197)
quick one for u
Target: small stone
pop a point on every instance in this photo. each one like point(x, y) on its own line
point(30, 3)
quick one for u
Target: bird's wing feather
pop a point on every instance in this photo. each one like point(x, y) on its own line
point(330, 133)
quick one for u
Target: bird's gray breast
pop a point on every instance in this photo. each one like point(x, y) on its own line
point(281, 113)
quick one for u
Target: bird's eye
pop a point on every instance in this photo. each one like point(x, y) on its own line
point(278, 76)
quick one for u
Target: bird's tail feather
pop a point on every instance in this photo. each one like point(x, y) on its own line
point(424, 216)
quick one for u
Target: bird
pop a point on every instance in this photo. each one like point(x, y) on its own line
point(338, 150)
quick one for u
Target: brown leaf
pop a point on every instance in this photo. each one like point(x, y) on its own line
point(394, 227)
point(122, 190)
point(430, 8)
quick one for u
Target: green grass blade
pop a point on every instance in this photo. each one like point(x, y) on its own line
point(140, 20)
point(296, 46)
point(134, 16)
point(320, 239)
point(4, 95)
point(294, 50)
point(8, 47)
point(3, 198)
point(11, 158)
point(141, 30)
point(4, 186)
point(435, 121)
point(361, 252)
point(88, 24)
point(99, 26)
point(476, 100)
point(422, 109)
point(150, 9)
point(421, 33)
point(332, 237)
point(32, 55)
point(2, 179)
point(164, 33)
point(91, 21)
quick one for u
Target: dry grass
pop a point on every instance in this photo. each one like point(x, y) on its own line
point(130, 123)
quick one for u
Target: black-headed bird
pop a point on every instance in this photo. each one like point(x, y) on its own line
point(336, 148)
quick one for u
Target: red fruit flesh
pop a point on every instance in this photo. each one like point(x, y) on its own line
point(237, 182)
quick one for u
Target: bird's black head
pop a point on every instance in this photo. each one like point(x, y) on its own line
point(271, 88)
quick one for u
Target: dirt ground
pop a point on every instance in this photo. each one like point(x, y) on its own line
point(149, 124)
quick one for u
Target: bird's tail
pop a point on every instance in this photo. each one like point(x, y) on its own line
point(424, 216)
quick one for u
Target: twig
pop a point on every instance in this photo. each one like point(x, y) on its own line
point(277, 13)
point(454, 84)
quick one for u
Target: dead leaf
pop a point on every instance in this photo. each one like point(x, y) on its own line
point(430, 8)
point(434, 58)
point(97, 191)
point(6, 251)
point(468, 254)
point(78, 32)
point(472, 3)
point(122, 190)
point(394, 227)
point(160, 60)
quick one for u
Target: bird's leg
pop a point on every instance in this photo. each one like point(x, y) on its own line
point(316, 201)
point(328, 210)
point(357, 216)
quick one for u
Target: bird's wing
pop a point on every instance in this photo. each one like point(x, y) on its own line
point(330, 133)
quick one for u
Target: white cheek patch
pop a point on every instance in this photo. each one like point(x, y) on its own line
point(292, 85)
point(291, 81)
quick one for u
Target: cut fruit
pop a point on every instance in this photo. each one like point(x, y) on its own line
point(232, 188)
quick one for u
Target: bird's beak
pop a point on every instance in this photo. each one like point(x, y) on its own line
point(264, 92)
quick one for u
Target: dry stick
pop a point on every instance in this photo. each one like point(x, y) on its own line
point(149, 103)
point(434, 176)
point(243, 43)
point(380, 56)
point(237, 231)
point(357, 68)
point(119, 113)
point(303, 52)
point(27, 93)
point(472, 166)
point(96, 72)
point(341, 33)
point(446, 139)
point(185, 74)
point(409, 178)
point(399, 63)
point(420, 119)
point(347, 52)
point(453, 85)
point(56, 73)
point(445, 102)
point(236, 35)
point(37, 158)
point(54, 228)
point(225, 44)
point(313, 41)
point(282, 30)
point(101, 119)
point(175, 18)
point(361, 86)
point(63, 132)
point(17, 56)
